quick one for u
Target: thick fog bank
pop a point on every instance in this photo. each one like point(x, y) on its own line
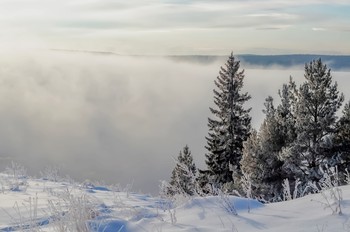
point(116, 119)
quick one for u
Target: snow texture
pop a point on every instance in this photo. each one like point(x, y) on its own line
point(98, 208)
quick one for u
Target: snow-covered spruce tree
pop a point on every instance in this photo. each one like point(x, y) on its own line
point(317, 101)
point(250, 164)
point(260, 156)
point(184, 174)
point(284, 113)
point(342, 142)
point(229, 127)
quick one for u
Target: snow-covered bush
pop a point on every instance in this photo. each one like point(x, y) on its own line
point(25, 215)
point(16, 178)
point(51, 173)
point(247, 187)
point(287, 194)
point(329, 189)
point(225, 201)
point(71, 211)
point(168, 203)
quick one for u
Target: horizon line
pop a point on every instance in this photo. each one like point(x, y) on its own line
point(188, 55)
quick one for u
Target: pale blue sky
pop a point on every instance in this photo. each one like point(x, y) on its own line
point(178, 26)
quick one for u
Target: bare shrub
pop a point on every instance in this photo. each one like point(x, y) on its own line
point(287, 194)
point(51, 173)
point(16, 178)
point(71, 212)
point(329, 189)
point(246, 183)
point(25, 216)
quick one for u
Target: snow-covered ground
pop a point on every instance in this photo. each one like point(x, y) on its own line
point(29, 204)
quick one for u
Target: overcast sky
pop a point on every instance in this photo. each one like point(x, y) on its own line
point(178, 26)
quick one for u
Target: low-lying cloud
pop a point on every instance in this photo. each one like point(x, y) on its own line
point(113, 118)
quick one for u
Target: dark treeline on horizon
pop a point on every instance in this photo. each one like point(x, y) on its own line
point(335, 62)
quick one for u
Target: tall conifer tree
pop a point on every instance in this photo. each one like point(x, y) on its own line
point(317, 101)
point(229, 127)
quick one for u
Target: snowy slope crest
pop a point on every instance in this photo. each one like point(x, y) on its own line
point(29, 204)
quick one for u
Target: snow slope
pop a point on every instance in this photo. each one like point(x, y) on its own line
point(43, 205)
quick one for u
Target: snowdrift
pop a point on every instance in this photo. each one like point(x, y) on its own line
point(44, 205)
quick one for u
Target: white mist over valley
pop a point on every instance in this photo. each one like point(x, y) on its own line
point(117, 119)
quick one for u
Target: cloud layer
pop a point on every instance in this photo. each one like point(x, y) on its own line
point(114, 118)
point(178, 27)
point(101, 117)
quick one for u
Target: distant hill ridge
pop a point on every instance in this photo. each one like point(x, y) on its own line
point(335, 62)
